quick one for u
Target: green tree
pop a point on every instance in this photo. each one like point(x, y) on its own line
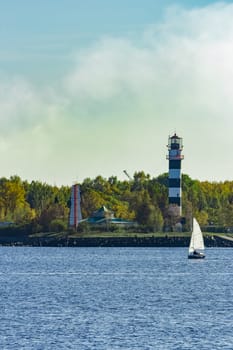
point(12, 196)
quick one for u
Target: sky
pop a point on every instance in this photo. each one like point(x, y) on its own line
point(96, 87)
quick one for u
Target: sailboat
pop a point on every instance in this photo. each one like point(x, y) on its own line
point(196, 246)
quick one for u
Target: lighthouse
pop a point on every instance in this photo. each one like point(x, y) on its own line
point(175, 147)
point(75, 209)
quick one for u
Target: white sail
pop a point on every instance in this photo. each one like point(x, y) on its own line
point(196, 242)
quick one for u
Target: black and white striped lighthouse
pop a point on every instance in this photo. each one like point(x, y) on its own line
point(175, 147)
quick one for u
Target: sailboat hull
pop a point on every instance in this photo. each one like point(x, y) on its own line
point(196, 256)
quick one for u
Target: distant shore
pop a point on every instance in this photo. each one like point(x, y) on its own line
point(116, 241)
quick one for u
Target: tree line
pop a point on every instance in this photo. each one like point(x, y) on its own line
point(143, 199)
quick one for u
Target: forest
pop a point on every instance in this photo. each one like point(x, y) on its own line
point(40, 207)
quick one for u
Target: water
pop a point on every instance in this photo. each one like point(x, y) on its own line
point(115, 298)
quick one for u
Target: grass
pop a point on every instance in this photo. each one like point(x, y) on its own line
point(109, 234)
point(62, 235)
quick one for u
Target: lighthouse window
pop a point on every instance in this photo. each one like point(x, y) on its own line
point(175, 145)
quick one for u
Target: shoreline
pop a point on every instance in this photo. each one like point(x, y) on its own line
point(150, 241)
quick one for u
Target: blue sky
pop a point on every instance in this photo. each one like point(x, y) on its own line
point(94, 87)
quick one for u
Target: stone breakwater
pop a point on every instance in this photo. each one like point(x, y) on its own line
point(150, 241)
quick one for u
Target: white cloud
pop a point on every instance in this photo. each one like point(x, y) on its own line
point(122, 98)
point(21, 105)
point(188, 56)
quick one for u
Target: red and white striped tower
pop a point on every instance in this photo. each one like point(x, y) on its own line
point(75, 209)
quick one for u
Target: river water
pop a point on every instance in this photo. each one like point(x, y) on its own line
point(115, 298)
